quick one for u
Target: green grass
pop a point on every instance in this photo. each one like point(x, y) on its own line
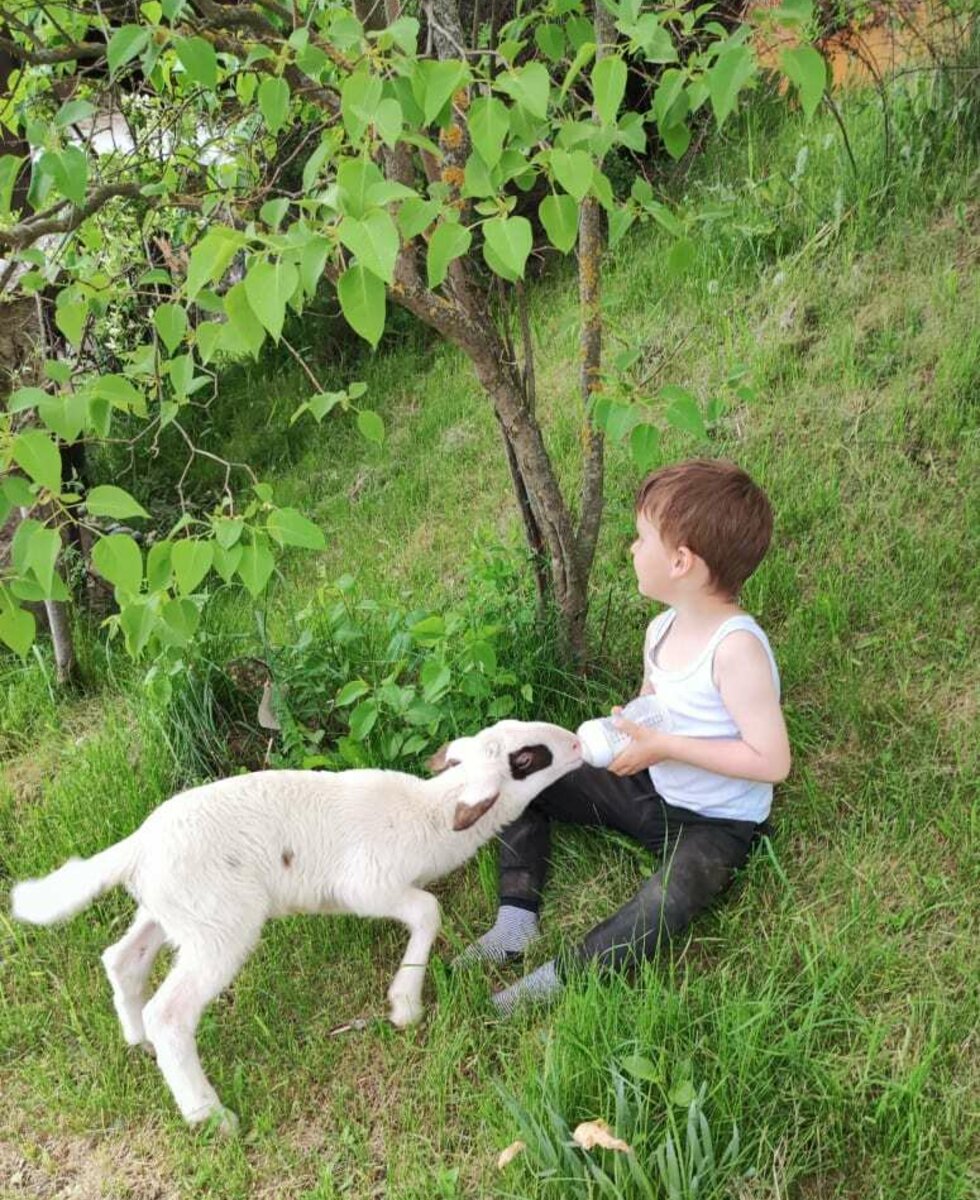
point(828, 1006)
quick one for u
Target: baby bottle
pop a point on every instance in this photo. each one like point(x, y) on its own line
point(602, 741)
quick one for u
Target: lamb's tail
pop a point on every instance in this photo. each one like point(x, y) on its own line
point(73, 886)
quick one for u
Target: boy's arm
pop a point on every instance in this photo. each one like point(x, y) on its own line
point(745, 681)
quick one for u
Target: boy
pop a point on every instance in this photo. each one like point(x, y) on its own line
point(697, 790)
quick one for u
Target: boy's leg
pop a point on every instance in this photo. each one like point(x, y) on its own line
point(701, 857)
point(700, 860)
point(588, 796)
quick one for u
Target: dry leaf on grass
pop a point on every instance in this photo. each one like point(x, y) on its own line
point(590, 1134)
point(509, 1154)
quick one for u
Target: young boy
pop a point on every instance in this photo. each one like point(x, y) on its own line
point(696, 790)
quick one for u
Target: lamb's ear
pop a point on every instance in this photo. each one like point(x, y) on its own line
point(450, 755)
point(440, 761)
point(468, 814)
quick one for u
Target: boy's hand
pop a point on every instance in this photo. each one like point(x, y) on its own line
point(644, 748)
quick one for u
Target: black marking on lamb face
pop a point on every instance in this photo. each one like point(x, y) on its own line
point(287, 858)
point(529, 760)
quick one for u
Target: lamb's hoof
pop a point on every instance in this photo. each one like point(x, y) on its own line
point(405, 1011)
point(148, 1048)
point(221, 1121)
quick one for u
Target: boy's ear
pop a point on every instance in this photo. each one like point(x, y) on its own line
point(681, 560)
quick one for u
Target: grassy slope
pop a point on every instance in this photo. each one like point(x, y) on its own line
point(828, 1005)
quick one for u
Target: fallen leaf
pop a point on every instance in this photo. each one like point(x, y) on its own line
point(267, 718)
point(590, 1134)
point(509, 1154)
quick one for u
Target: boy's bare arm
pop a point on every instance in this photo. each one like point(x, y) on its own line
point(745, 681)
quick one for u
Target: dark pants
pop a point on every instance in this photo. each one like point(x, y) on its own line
point(697, 859)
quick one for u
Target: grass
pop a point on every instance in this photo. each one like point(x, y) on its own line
point(828, 1006)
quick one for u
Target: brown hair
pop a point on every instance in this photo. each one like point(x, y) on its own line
point(715, 509)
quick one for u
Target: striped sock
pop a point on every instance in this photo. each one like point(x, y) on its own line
point(542, 984)
point(512, 931)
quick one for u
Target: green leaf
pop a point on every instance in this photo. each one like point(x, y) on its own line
point(641, 1068)
point(645, 446)
point(210, 258)
point(36, 453)
point(449, 241)
point(36, 548)
point(17, 626)
point(559, 216)
point(389, 121)
point(359, 99)
point(807, 71)
point(207, 339)
point(10, 166)
point(435, 82)
point(573, 171)
point(416, 215)
point(291, 528)
point(120, 393)
point(158, 568)
point(371, 426)
point(226, 562)
point(681, 257)
point(356, 180)
point(351, 691)
point(137, 622)
point(274, 102)
point(199, 60)
point(510, 240)
point(268, 286)
point(608, 87)
point(118, 559)
point(171, 324)
point(106, 500)
point(374, 240)
point(64, 414)
point(180, 621)
point(550, 40)
point(684, 413)
point(191, 561)
point(734, 67)
point(620, 219)
point(228, 531)
point(125, 44)
point(584, 54)
point(71, 173)
point(244, 332)
point(363, 719)
point(70, 319)
point(530, 86)
point(256, 564)
point(489, 123)
point(676, 139)
point(362, 301)
point(72, 111)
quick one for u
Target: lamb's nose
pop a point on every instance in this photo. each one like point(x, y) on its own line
point(576, 746)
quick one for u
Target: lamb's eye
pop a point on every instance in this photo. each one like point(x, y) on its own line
point(524, 759)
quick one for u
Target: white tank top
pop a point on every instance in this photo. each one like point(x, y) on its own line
point(694, 708)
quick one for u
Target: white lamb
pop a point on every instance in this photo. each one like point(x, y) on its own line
point(210, 865)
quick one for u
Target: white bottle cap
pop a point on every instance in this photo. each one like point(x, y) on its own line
point(596, 749)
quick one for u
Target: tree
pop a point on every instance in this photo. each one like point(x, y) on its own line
point(315, 141)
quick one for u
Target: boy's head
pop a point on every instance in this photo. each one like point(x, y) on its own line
point(713, 509)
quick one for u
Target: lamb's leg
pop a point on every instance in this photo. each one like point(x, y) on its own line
point(420, 912)
point(128, 964)
point(171, 1018)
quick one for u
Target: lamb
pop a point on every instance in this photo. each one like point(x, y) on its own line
point(210, 865)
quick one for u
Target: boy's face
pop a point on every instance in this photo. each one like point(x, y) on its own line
point(654, 563)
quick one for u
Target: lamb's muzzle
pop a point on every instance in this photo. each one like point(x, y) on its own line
point(274, 842)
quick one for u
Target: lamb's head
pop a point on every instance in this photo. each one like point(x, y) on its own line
point(504, 767)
